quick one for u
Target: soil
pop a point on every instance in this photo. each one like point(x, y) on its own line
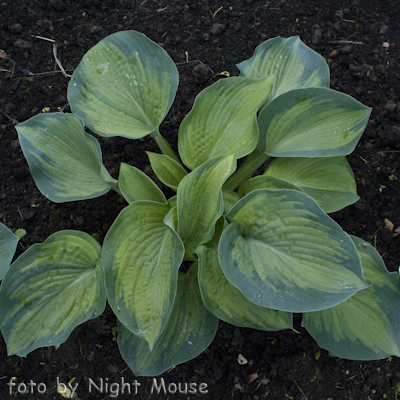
point(360, 41)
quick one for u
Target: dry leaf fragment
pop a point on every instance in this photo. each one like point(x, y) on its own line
point(66, 392)
point(223, 73)
point(242, 360)
point(3, 54)
point(389, 224)
point(253, 377)
point(239, 386)
point(112, 368)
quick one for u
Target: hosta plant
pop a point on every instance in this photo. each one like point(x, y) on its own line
point(249, 250)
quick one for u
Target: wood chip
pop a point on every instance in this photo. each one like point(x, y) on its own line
point(389, 224)
point(253, 377)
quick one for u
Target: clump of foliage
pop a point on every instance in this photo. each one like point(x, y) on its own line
point(260, 248)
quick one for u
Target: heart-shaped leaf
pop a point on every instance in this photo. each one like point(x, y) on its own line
point(124, 86)
point(49, 290)
point(228, 303)
point(223, 120)
point(136, 185)
point(283, 252)
point(200, 201)
point(189, 331)
point(329, 181)
point(64, 160)
point(293, 63)
point(141, 257)
point(366, 326)
point(311, 122)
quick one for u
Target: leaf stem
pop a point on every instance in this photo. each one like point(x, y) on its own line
point(164, 146)
point(116, 188)
point(252, 164)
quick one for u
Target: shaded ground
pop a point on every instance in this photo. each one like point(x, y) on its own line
point(219, 34)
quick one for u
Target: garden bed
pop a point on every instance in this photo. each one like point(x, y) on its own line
point(205, 39)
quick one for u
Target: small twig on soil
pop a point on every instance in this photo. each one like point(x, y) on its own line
point(10, 118)
point(216, 12)
point(305, 397)
point(5, 56)
point(29, 73)
point(20, 214)
point(44, 38)
point(55, 55)
point(59, 62)
point(344, 42)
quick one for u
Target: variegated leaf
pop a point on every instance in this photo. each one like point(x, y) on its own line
point(223, 120)
point(311, 122)
point(8, 245)
point(64, 160)
point(49, 290)
point(124, 86)
point(227, 302)
point(189, 331)
point(293, 63)
point(330, 181)
point(200, 201)
point(366, 326)
point(136, 185)
point(141, 257)
point(167, 170)
point(283, 252)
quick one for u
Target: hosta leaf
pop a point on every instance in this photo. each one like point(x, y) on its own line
point(124, 86)
point(49, 290)
point(367, 325)
point(168, 171)
point(228, 303)
point(171, 219)
point(283, 252)
point(293, 63)
point(64, 160)
point(141, 257)
point(8, 245)
point(200, 201)
point(230, 199)
point(329, 181)
point(311, 122)
point(136, 185)
point(189, 331)
point(173, 201)
point(267, 182)
point(223, 120)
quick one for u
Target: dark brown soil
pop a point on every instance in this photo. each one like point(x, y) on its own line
point(360, 41)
